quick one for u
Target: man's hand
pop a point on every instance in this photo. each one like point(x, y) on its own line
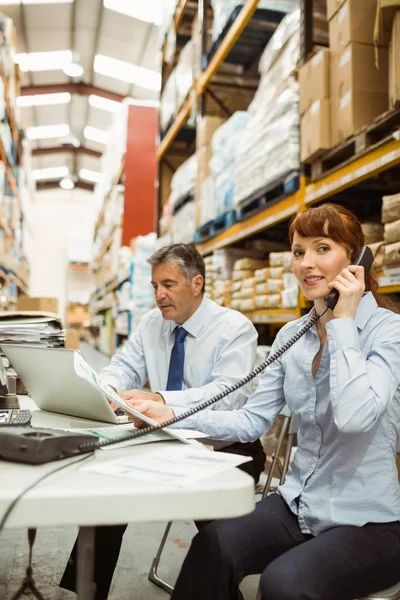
point(139, 395)
point(154, 410)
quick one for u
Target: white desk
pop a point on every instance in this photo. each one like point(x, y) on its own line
point(75, 497)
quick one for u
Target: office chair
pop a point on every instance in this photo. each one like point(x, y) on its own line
point(290, 426)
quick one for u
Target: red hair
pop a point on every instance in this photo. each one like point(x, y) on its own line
point(341, 226)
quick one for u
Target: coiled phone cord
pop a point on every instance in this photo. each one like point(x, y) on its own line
point(87, 447)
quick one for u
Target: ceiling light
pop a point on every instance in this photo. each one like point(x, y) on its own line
point(67, 184)
point(95, 135)
point(47, 131)
point(119, 69)
point(43, 61)
point(104, 103)
point(44, 99)
point(50, 173)
point(73, 70)
point(149, 11)
point(90, 175)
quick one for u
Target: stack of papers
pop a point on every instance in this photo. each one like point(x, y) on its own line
point(32, 329)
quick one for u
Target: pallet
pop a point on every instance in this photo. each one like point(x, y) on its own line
point(362, 142)
point(274, 192)
point(253, 40)
point(214, 227)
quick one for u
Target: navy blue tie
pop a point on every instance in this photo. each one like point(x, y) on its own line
point(175, 372)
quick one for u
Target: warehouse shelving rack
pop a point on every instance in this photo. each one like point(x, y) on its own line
point(368, 165)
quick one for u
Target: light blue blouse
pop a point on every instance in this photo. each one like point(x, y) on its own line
point(344, 470)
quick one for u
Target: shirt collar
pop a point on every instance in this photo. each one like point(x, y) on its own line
point(195, 322)
point(365, 309)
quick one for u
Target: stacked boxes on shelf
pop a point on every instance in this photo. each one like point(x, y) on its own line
point(243, 286)
point(315, 105)
point(387, 248)
point(270, 145)
point(387, 34)
point(276, 286)
point(359, 90)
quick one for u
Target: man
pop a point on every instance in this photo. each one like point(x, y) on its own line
point(188, 349)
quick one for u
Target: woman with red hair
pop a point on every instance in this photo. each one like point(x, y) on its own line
point(332, 530)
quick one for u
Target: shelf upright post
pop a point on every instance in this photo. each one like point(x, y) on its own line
point(306, 29)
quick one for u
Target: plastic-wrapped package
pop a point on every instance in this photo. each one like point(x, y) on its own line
point(224, 144)
point(224, 8)
point(169, 101)
point(142, 290)
point(184, 180)
point(183, 223)
point(269, 148)
point(208, 208)
point(184, 73)
point(166, 29)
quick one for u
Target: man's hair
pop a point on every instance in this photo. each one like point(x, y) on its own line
point(186, 256)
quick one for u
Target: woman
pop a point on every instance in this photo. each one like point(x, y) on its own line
point(332, 531)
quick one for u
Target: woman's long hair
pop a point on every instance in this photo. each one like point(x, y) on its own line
point(341, 226)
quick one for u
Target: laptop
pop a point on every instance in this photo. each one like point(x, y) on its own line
point(51, 381)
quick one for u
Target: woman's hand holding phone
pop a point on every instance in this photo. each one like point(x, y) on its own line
point(350, 284)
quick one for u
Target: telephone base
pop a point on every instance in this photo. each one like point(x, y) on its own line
point(36, 446)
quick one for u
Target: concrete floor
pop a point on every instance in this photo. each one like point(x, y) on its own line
point(52, 548)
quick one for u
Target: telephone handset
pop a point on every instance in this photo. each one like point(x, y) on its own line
point(365, 260)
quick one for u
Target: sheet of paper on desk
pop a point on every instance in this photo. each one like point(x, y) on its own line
point(115, 432)
point(179, 465)
point(83, 369)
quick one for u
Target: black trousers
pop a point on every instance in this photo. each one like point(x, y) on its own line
point(342, 563)
point(108, 539)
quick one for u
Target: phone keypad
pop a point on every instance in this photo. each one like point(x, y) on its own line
point(20, 417)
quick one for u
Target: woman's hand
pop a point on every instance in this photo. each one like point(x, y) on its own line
point(154, 410)
point(350, 284)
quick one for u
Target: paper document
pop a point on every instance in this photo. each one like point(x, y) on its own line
point(180, 465)
point(84, 370)
point(118, 432)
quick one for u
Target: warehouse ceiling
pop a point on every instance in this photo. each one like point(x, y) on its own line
point(87, 33)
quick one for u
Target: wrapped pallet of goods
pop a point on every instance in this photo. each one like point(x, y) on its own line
point(390, 218)
point(182, 203)
point(224, 144)
point(206, 208)
point(270, 147)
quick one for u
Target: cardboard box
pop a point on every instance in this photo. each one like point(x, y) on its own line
point(315, 128)
point(394, 62)
point(205, 128)
point(350, 24)
point(385, 13)
point(72, 339)
point(359, 89)
point(332, 6)
point(40, 304)
point(314, 80)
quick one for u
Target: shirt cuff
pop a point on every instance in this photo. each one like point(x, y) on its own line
point(188, 423)
point(174, 398)
point(343, 333)
point(113, 382)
